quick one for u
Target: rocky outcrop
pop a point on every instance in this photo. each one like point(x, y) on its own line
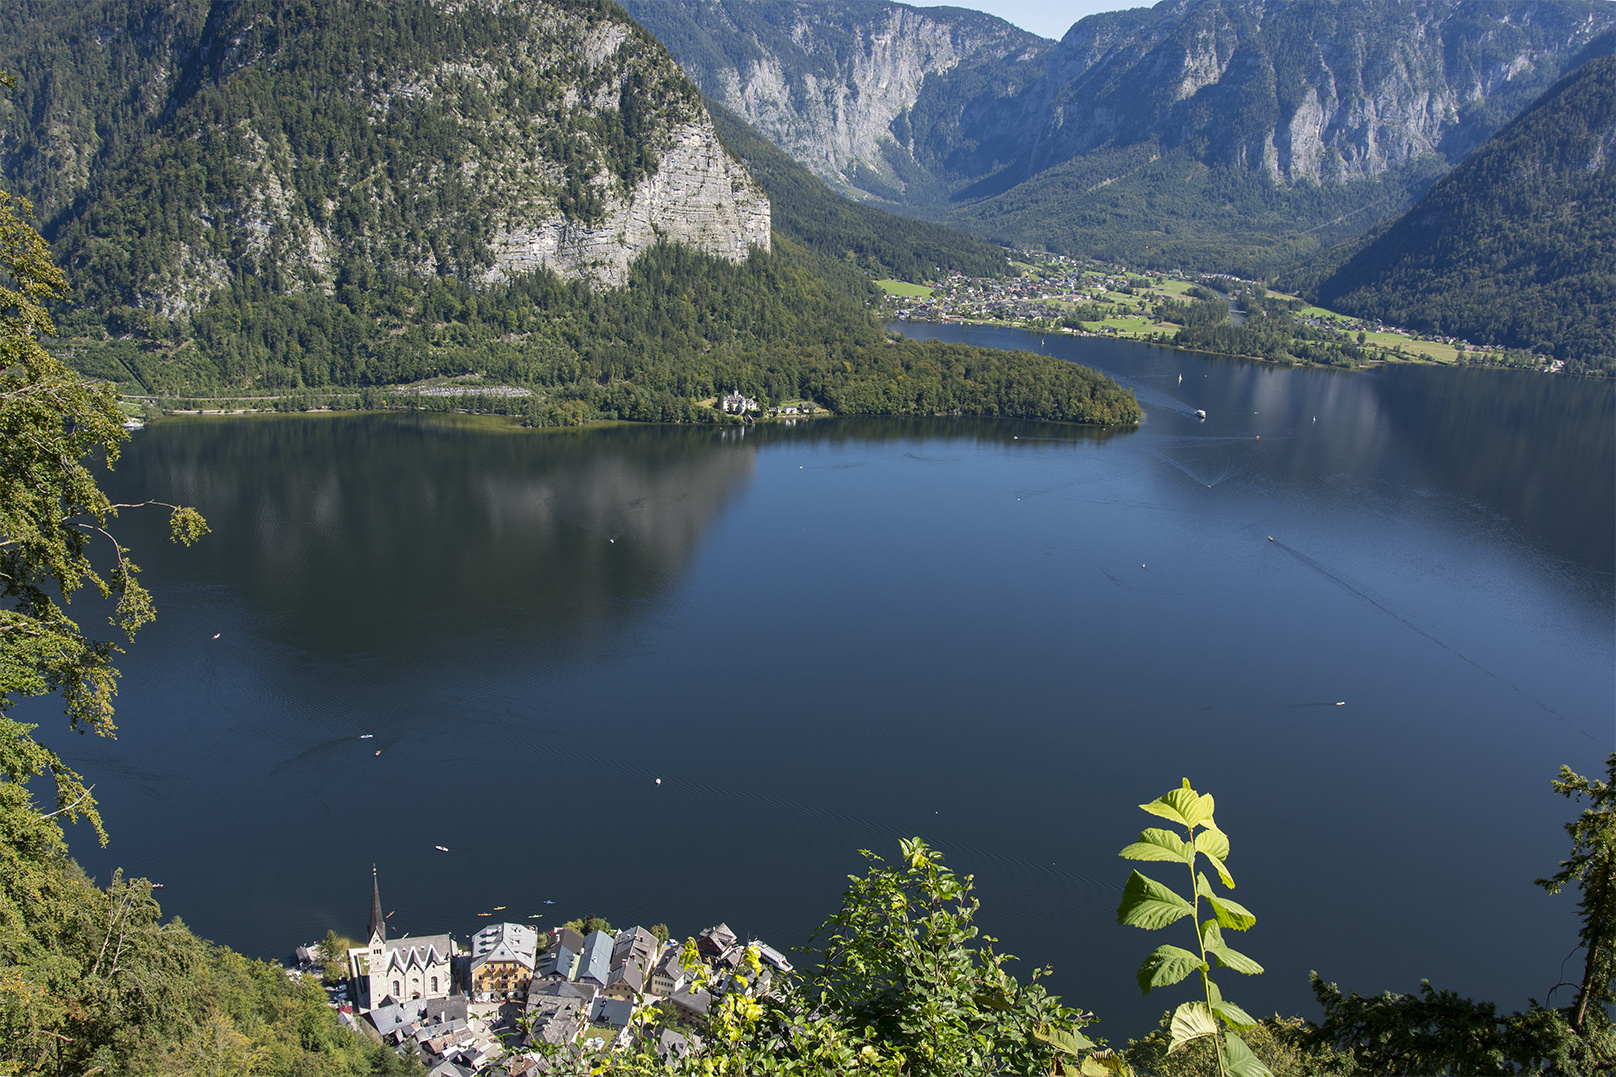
point(830, 83)
point(698, 196)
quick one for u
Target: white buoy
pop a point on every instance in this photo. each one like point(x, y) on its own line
point(659, 781)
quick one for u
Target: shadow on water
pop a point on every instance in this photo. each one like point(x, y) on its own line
point(554, 529)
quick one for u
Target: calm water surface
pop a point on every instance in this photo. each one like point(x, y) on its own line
point(1000, 636)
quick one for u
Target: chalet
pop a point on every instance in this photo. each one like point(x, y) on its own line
point(595, 962)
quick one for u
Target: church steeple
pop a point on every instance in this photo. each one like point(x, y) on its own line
point(378, 923)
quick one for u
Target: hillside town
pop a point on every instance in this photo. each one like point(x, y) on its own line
point(520, 997)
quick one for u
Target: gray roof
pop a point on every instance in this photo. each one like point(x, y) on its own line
point(616, 1012)
point(597, 958)
point(556, 961)
point(695, 1001)
point(504, 942)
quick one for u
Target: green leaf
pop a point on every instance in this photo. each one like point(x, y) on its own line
point(1231, 914)
point(1223, 872)
point(1157, 844)
point(1213, 842)
point(1148, 904)
point(1105, 1063)
point(1071, 1041)
point(1191, 1021)
point(1183, 806)
point(1238, 1061)
point(1235, 960)
point(1166, 965)
point(1233, 1014)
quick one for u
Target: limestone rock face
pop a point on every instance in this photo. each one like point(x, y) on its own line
point(907, 104)
point(831, 83)
point(698, 196)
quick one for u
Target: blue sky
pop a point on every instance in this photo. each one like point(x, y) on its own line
point(1047, 18)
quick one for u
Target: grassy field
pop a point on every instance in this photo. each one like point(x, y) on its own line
point(904, 288)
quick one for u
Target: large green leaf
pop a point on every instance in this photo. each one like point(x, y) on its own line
point(1213, 842)
point(1166, 965)
point(1184, 806)
point(1148, 904)
point(1231, 914)
point(1212, 943)
point(1238, 1061)
point(1157, 844)
point(1069, 1041)
point(1191, 1021)
point(1233, 1014)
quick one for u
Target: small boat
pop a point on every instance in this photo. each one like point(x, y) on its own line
point(366, 736)
point(441, 848)
point(133, 424)
point(499, 908)
point(156, 886)
point(1199, 414)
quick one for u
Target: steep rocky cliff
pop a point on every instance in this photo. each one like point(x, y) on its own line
point(832, 83)
point(1242, 133)
point(173, 145)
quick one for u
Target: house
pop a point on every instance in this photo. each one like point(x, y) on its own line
point(715, 942)
point(398, 970)
point(735, 400)
point(560, 960)
point(401, 1020)
point(503, 958)
point(633, 953)
point(691, 1007)
point(595, 962)
point(670, 973)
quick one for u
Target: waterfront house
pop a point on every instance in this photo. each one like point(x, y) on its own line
point(503, 958)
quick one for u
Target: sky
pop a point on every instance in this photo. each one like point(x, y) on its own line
point(1046, 18)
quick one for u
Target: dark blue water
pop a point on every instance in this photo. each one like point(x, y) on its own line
point(1000, 636)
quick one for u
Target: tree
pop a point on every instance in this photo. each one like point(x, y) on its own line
point(52, 511)
point(82, 970)
point(1592, 866)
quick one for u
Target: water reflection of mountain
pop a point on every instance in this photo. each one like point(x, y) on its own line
point(352, 531)
point(1542, 451)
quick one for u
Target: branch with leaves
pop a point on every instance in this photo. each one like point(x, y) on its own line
point(1151, 905)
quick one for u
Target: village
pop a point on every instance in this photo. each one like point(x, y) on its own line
point(1057, 294)
point(520, 997)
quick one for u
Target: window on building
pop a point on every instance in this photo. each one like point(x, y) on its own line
point(434, 985)
point(396, 991)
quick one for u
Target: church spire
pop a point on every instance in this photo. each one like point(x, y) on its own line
point(378, 923)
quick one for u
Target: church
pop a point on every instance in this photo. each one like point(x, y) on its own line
point(399, 970)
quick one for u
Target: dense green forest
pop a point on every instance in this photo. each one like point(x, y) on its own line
point(1516, 247)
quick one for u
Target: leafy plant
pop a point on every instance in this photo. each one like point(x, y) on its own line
point(1149, 904)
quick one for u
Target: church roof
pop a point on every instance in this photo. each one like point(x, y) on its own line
point(378, 922)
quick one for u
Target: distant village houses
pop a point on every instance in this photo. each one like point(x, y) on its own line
point(520, 988)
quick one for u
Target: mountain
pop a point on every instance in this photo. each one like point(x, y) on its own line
point(832, 81)
point(316, 144)
point(305, 204)
point(1239, 134)
point(807, 211)
point(1516, 247)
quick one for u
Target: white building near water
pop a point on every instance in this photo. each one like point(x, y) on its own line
point(399, 970)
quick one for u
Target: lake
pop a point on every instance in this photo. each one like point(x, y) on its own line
point(1371, 612)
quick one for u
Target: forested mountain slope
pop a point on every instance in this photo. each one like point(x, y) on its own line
point(1517, 245)
point(1238, 134)
point(173, 144)
point(286, 199)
